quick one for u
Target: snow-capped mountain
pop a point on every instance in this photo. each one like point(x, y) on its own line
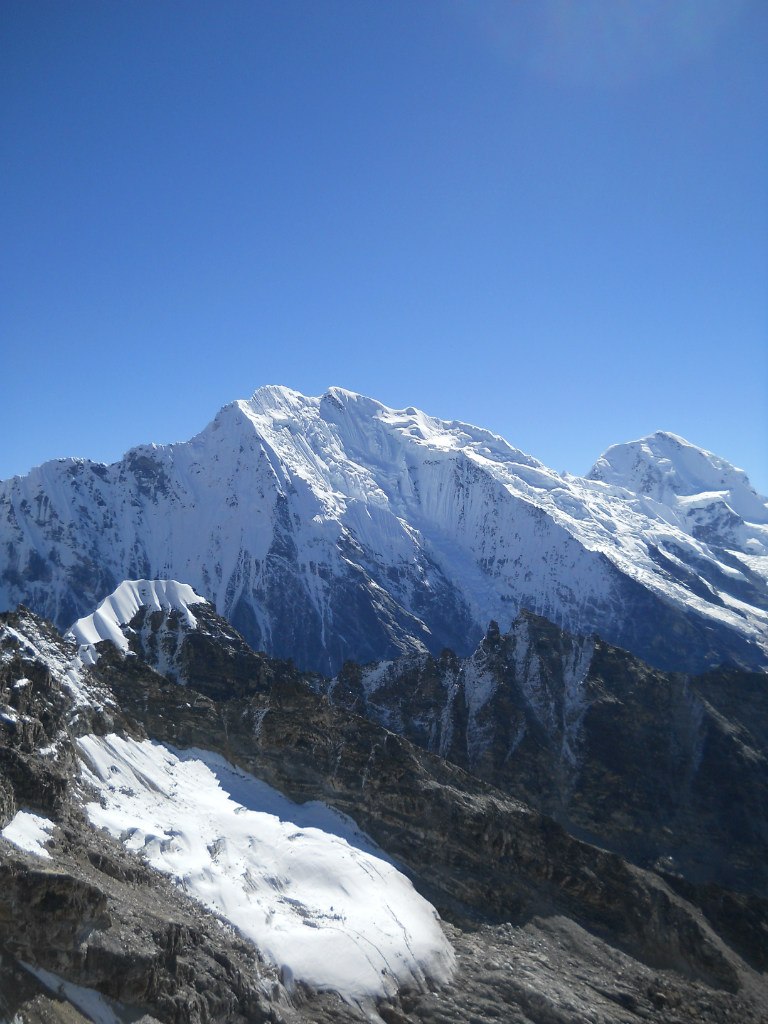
point(334, 527)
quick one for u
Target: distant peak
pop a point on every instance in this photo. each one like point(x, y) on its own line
point(279, 391)
point(341, 394)
point(667, 436)
point(665, 467)
point(342, 400)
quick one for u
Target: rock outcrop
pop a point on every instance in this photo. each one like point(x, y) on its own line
point(669, 770)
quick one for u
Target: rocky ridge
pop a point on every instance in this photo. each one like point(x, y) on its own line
point(536, 712)
point(667, 769)
point(545, 928)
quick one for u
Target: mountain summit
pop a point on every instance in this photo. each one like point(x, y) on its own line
point(333, 527)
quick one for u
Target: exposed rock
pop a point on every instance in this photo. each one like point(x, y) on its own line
point(666, 769)
point(546, 928)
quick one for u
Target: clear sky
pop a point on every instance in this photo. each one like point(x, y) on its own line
point(546, 217)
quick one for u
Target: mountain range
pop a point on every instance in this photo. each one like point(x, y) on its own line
point(335, 528)
point(339, 713)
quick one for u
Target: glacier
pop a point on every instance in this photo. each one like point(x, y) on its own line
point(333, 527)
point(315, 896)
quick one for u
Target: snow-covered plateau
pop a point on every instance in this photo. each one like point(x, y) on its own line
point(333, 527)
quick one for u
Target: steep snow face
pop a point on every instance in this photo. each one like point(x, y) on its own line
point(334, 527)
point(313, 893)
point(704, 497)
point(713, 500)
point(120, 607)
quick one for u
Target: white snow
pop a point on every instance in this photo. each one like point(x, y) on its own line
point(575, 702)
point(95, 1006)
point(301, 882)
point(121, 606)
point(677, 473)
point(29, 832)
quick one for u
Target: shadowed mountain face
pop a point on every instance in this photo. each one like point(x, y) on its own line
point(667, 769)
point(334, 528)
point(543, 927)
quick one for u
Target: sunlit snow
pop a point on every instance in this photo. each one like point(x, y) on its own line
point(123, 604)
point(299, 881)
point(29, 832)
point(403, 502)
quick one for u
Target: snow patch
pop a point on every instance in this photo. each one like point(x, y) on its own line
point(93, 1004)
point(30, 832)
point(575, 702)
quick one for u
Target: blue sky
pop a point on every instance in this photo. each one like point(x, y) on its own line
point(544, 217)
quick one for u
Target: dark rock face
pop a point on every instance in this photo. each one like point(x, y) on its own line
point(666, 769)
point(663, 768)
point(546, 928)
point(212, 658)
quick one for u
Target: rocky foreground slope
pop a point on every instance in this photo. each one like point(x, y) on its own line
point(537, 926)
point(667, 769)
point(335, 528)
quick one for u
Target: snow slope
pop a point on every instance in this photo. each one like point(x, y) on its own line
point(674, 472)
point(334, 527)
point(119, 607)
point(311, 892)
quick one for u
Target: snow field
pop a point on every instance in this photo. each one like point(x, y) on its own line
point(326, 911)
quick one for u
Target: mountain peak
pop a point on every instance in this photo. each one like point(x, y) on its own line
point(331, 527)
point(667, 467)
point(122, 604)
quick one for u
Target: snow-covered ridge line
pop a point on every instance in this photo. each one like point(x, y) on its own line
point(333, 527)
point(121, 606)
point(672, 471)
